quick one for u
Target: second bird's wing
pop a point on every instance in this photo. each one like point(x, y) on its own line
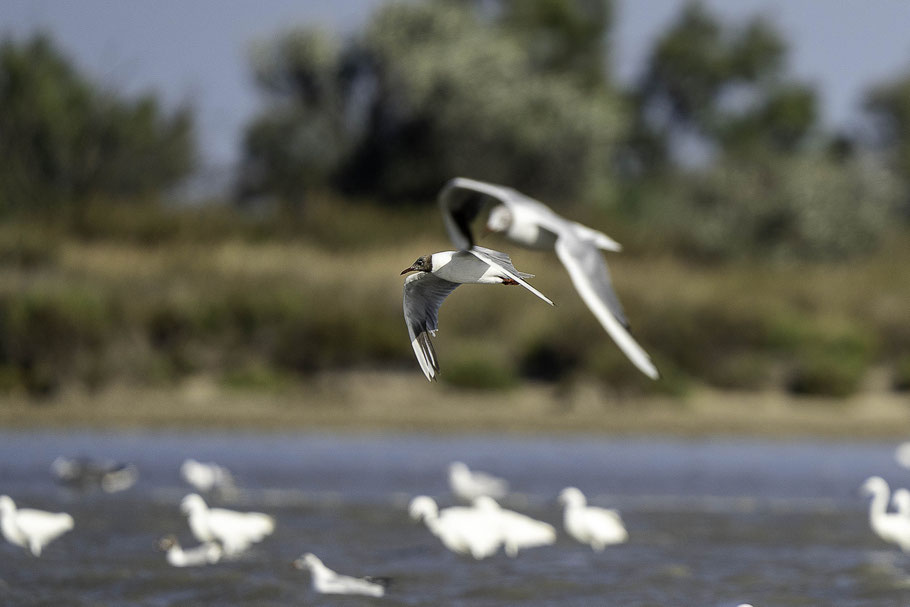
point(423, 294)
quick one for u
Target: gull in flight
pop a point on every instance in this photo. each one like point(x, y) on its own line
point(891, 527)
point(32, 529)
point(469, 484)
point(518, 530)
point(531, 224)
point(236, 531)
point(597, 527)
point(437, 275)
point(461, 529)
point(208, 553)
point(326, 581)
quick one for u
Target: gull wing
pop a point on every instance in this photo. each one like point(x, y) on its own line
point(423, 294)
point(589, 274)
point(503, 263)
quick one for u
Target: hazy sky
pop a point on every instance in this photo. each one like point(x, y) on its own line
point(198, 50)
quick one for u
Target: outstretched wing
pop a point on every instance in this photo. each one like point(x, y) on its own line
point(503, 263)
point(589, 274)
point(423, 294)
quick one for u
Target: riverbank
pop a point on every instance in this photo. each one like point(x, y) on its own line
point(402, 402)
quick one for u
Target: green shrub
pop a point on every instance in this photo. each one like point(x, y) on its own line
point(478, 371)
point(901, 380)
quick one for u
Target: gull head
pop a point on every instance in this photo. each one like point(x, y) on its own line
point(571, 496)
point(167, 542)
point(423, 507)
point(424, 263)
point(192, 503)
point(307, 561)
point(874, 485)
point(500, 219)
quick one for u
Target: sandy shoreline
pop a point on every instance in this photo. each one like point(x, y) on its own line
point(397, 402)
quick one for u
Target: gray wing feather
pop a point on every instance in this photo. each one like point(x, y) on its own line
point(589, 263)
point(423, 294)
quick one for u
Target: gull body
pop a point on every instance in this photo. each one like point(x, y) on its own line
point(461, 529)
point(901, 502)
point(533, 225)
point(891, 527)
point(469, 484)
point(29, 528)
point(435, 277)
point(207, 476)
point(518, 530)
point(597, 527)
point(235, 531)
point(326, 581)
point(207, 553)
point(86, 473)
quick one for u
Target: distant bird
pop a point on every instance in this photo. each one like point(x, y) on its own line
point(531, 224)
point(468, 484)
point(597, 527)
point(32, 529)
point(518, 530)
point(891, 527)
point(236, 531)
point(208, 553)
point(902, 454)
point(901, 501)
point(207, 477)
point(436, 277)
point(326, 581)
point(461, 529)
point(86, 473)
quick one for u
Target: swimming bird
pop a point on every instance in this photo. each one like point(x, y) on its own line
point(461, 529)
point(236, 531)
point(533, 225)
point(436, 276)
point(326, 581)
point(891, 527)
point(32, 529)
point(597, 527)
point(468, 484)
point(207, 553)
point(86, 473)
point(207, 476)
point(518, 530)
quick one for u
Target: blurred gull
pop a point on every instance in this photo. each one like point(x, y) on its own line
point(326, 581)
point(236, 531)
point(901, 502)
point(902, 454)
point(531, 224)
point(32, 529)
point(518, 531)
point(86, 473)
point(597, 527)
point(460, 529)
point(891, 527)
point(436, 277)
point(208, 553)
point(207, 477)
point(467, 484)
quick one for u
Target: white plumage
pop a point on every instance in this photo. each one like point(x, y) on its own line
point(518, 531)
point(235, 531)
point(207, 476)
point(326, 581)
point(597, 527)
point(461, 529)
point(891, 527)
point(208, 553)
point(29, 528)
point(469, 484)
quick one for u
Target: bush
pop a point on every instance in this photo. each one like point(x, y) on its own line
point(478, 370)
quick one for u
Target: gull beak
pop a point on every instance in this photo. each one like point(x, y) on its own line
point(406, 270)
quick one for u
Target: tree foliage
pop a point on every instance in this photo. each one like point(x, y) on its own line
point(64, 140)
point(888, 105)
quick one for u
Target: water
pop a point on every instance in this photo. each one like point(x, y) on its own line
point(711, 523)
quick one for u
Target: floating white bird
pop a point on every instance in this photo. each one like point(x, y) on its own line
point(891, 527)
point(236, 531)
point(86, 473)
point(207, 476)
point(436, 276)
point(460, 529)
point(597, 527)
point(531, 224)
point(326, 581)
point(902, 454)
point(518, 530)
point(468, 484)
point(208, 553)
point(32, 529)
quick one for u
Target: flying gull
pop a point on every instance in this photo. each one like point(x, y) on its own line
point(435, 277)
point(531, 224)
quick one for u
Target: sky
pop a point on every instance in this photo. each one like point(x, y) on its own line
point(198, 50)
